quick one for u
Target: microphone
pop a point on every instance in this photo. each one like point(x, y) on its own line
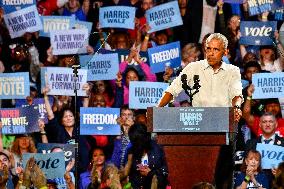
point(196, 85)
point(184, 82)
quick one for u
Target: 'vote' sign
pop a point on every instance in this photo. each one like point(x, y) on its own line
point(257, 33)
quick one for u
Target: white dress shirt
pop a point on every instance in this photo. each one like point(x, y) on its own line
point(218, 88)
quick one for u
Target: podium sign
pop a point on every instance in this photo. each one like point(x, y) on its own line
point(190, 119)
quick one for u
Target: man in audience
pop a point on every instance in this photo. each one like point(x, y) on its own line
point(270, 105)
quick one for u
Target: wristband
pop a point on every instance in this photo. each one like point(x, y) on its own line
point(43, 133)
point(146, 37)
point(44, 187)
point(20, 182)
point(237, 107)
point(249, 98)
point(247, 179)
point(220, 12)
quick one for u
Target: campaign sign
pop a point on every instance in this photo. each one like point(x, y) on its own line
point(145, 94)
point(260, 6)
point(164, 55)
point(123, 55)
point(22, 21)
point(99, 121)
point(268, 85)
point(19, 120)
point(14, 85)
point(61, 81)
point(234, 1)
point(164, 16)
point(271, 155)
point(14, 5)
point(68, 149)
point(117, 17)
point(101, 66)
point(72, 41)
point(257, 33)
point(83, 25)
point(279, 14)
point(54, 23)
point(52, 164)
point(39, 104)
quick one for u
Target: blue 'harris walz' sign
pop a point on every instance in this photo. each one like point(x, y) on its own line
point(164, 55)
point(257, 33)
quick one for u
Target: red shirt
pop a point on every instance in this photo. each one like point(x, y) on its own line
point(257, 131)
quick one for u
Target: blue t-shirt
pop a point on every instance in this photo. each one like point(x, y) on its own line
point(260, 178)
point(79, 14)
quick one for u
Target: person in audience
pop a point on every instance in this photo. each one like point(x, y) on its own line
point(96, 166)
point(203, 185)
point(127, 74)
point(251, 175)
point(270, 105)
point(278, 182)
point(122, 143)
point(73, 7)
point(22, 144)
point(148, 159)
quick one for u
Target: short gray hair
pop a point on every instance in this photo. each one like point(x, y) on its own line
point(219, 36)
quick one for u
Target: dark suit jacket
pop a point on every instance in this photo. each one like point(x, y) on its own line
point(251, 144)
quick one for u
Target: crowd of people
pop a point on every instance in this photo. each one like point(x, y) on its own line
point(134, 159)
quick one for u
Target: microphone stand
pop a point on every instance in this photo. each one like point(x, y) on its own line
point(77, 127)
point(189, 90)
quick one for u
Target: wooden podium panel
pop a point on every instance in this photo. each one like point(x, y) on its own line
point(189, 165)
point(192, 157)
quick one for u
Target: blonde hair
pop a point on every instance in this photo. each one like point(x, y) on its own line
point(16, 147)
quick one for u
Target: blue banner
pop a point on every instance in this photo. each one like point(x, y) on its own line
point(257, 33)
point(268, 85)
point(14, 85)
point(234, 1)
point(74, 41)
point(39, 105)
point(164, 55)
point(22, 21)
point(68, 149)
point(53, 164)
point(271, 155)
point(12, 5)
point(145, 94)
point(117, 17)
point(61, 81)
point(99, 121)
point(259, 6)
point(54, 23)
point(279, 14)
point(100, 66)
point(83, 25)
point(164, 16)
point(19, 120)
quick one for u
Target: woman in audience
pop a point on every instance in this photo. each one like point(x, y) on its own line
point(148, 163)
point(22, 144)
point(95, 169)
point(127, 74)
point(251, 175)
point(62, 131)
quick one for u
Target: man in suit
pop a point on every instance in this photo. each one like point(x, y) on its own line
point(268, 125)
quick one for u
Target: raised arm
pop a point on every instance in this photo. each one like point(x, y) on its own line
point(50, 113)
point(247, 107)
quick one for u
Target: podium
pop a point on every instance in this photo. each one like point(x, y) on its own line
point(195, 141)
